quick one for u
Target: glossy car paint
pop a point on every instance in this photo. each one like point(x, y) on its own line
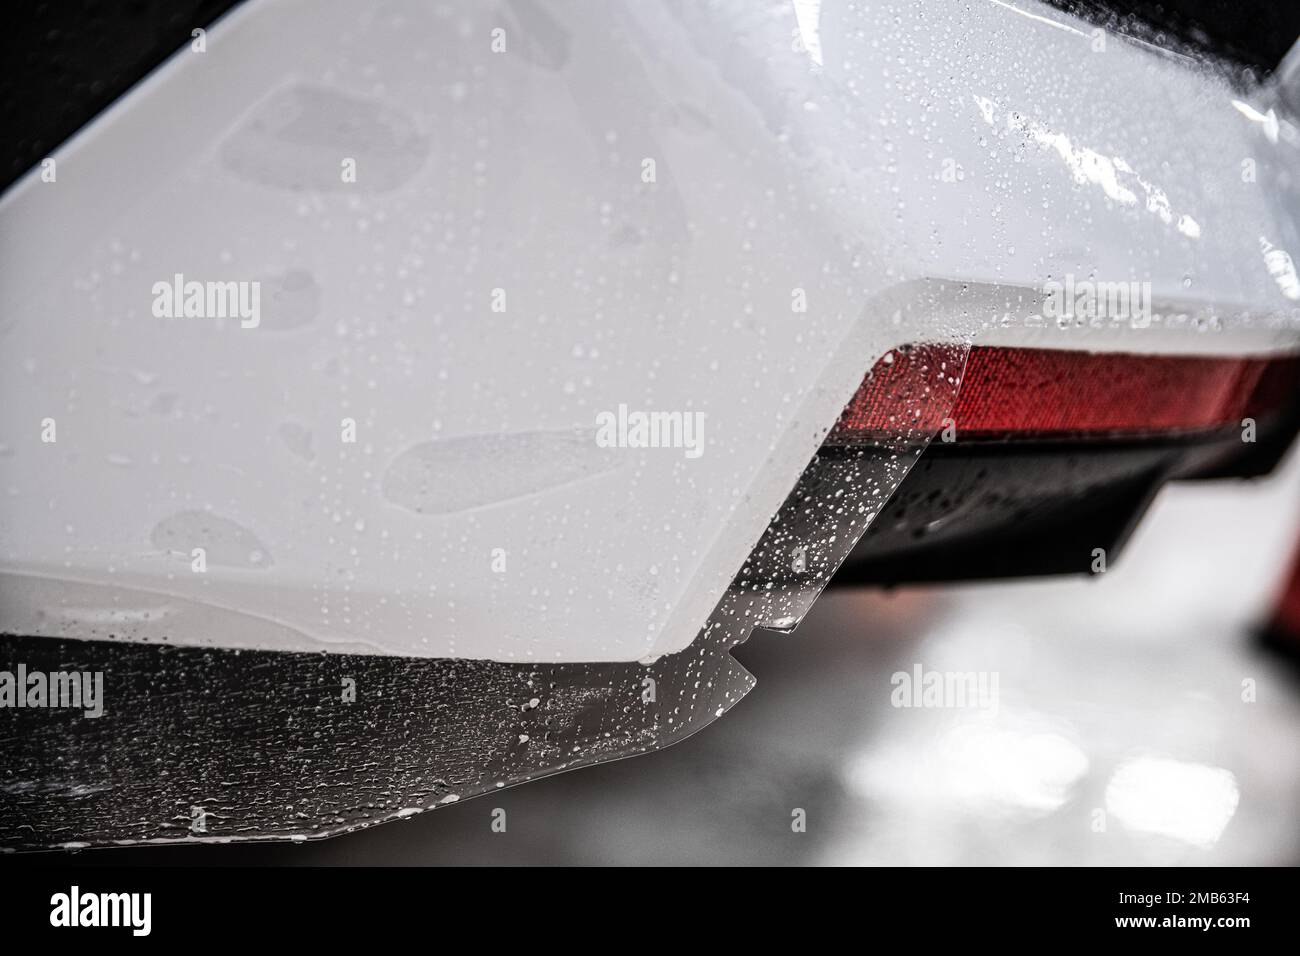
point(909, 176)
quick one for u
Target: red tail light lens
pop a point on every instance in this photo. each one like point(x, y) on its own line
point(1021, 393)
point(1286, 618)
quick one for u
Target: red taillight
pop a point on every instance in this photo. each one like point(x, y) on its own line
point(1010, 393)
point(1285, 627)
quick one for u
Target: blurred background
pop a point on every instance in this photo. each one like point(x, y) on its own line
point(1138, 721)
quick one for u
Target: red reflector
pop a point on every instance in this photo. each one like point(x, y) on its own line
point(1286, 618)
point(1050, 393)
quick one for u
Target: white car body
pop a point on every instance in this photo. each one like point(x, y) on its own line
point(507, 266)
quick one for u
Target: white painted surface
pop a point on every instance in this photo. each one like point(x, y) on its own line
point(522, 171)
